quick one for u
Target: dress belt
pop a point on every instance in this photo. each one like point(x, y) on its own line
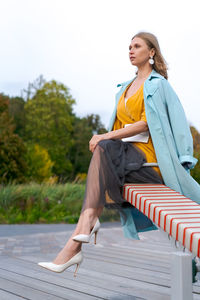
point(150, 165)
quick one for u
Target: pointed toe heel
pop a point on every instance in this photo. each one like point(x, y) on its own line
point(76, 259)
point(85, 238)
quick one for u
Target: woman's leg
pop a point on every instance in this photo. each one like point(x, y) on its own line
point(105, 174)
point(91, 209)
point(83, 226)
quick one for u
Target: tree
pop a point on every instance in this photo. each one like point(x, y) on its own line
point(16, 111)
point(83, 130)
point(55, 139)
point(94, 122)
point(49, 118)
point(12, 149)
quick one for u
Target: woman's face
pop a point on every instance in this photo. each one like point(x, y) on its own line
point(139, 53)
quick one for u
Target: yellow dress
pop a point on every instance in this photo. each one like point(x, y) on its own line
point(132, 112)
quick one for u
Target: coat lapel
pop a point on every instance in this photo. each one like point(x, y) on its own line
point(150, 87)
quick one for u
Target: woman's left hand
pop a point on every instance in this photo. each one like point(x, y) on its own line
point(95, 140)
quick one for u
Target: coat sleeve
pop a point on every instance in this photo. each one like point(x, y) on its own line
point(179, 126)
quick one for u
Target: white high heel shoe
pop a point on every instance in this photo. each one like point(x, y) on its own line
point(76, 259)
point(85, 238)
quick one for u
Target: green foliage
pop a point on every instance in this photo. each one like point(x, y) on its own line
point(79, 152)
point(12, 149)
point(16, 111)
point(49, 120)
point(44, 117)
point(39, 163)
point(80, 178)
point(83, 130)
point(94, 122)
point(41, 203)
point(44, 203)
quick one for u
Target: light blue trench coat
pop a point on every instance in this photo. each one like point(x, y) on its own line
point(172, 142)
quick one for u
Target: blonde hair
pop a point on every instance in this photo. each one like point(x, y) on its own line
point(151, 40)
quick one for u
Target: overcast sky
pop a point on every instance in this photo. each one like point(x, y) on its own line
point(84, 44)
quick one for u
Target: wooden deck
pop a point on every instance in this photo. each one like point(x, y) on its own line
point(116, 268)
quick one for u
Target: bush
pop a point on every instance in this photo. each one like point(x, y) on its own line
point(35, 203)
point(12, 149)
point(39, 163)
point(45, 203)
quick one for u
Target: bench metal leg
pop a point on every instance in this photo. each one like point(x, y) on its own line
point(181, 276)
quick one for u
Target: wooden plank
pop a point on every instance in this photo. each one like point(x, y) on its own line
point(143, 247)
point(23, 291)
point(134, 257)
point(135, 263)
point(154, 259)
point(119, 287)
point(107, 266)
point(68, 284)
point(5, 295)
point(196, 286)
point(129, 288)
point(123, 258)
point(123, 268)
point(51, 289)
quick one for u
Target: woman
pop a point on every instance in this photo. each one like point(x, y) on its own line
point(149, 112)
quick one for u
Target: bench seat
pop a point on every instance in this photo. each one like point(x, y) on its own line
point(176, 214)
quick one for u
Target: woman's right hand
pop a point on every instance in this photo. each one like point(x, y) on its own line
point(95, 140)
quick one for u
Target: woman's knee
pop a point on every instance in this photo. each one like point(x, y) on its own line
point(98, 148)
point(106, 143)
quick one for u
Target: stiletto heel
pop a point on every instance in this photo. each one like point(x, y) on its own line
point(76, 259)
point(85, 238)
point(95, 237)
point(75, 272)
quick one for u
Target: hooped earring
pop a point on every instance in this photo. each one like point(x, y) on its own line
point(151, 60)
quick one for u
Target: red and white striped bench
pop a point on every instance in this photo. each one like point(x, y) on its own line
point(179, 217)
point(174, 213)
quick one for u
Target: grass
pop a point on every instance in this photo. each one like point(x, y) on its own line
point(45, 203)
